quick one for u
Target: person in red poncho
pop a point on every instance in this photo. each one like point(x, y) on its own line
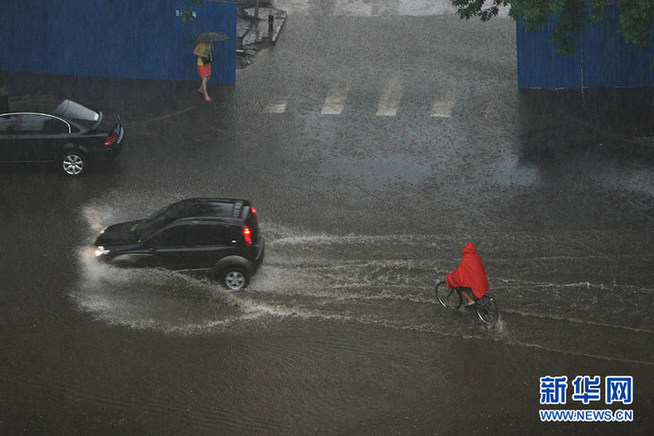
point(470, 274)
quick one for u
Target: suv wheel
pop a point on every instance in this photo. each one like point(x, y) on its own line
point(73, 163)
point(234, 279)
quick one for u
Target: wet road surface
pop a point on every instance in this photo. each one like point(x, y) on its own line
point(339, 332)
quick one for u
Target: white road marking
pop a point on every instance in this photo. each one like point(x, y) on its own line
point(278, 107)
point(372, 8)
point(293, 7)
point(442, 109)
point(390, 99)
point(425, 7)
point(335, 101)
point(365, 8)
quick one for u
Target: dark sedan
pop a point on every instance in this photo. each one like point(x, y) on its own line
point(58, 131)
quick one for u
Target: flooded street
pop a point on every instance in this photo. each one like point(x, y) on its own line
point(381, 281)
point(336, 333)
point(340, 331)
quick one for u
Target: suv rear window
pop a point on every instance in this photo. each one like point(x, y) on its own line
point(183, 209)
point(207, 235)
point(222, 210)
point(173, 237)
point(193, 235)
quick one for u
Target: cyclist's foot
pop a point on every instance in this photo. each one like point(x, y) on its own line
point(470, 303)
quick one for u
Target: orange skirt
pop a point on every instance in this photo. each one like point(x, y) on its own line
point(204, 70)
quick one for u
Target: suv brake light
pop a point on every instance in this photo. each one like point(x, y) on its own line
point(247, 235)
point(111, 139)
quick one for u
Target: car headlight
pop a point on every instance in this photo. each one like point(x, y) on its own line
point(100, 251)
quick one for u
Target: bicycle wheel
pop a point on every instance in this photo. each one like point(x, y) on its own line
point(487, 310)
point(449, 298)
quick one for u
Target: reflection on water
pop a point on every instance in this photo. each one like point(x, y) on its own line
point(595, 137)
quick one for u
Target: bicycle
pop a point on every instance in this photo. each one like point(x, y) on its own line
point(485, 306)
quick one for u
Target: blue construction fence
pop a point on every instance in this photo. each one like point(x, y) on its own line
point(602, 60)
point(134, 39)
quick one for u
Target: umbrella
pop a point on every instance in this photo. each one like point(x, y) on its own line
point(210, 37)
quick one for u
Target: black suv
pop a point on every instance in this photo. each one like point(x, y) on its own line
point(220, 236)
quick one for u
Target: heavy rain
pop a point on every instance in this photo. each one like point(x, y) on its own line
point(363, 209)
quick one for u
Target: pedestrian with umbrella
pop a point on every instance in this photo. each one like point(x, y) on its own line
point(204, 52)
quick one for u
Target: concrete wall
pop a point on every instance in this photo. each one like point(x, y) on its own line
point(136, 39)
point(602, 60)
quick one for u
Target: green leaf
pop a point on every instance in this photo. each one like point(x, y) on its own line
point(187, 15)
point(636, 20)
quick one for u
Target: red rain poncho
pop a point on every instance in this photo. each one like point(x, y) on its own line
point(470, 273)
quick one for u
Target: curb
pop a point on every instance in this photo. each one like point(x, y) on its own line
point(257, 32)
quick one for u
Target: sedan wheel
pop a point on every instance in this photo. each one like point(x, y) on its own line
point(73, 163)
point(234, 279)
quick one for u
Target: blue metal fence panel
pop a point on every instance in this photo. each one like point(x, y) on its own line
point(225, 51)
point(131, 39)
point(600, 51)
point(538, 64)
point(602, 59)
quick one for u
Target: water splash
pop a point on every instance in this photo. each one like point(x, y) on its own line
point(364, 279)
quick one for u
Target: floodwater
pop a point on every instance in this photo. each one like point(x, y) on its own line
point(387, 282)
point(338, 332)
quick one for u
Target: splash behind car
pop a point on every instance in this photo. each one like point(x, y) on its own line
point(43, 129)
point(218, 236)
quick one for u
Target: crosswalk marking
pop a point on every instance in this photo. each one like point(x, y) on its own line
point(278, 107)
point(390, 99)
point(387, 106)
point(293, 7)
point(363, 8)
point(335, 101)
point(425, 7)
point(442, 109)
point(371, 8)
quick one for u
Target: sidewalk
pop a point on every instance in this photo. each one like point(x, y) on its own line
point(256, 31)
